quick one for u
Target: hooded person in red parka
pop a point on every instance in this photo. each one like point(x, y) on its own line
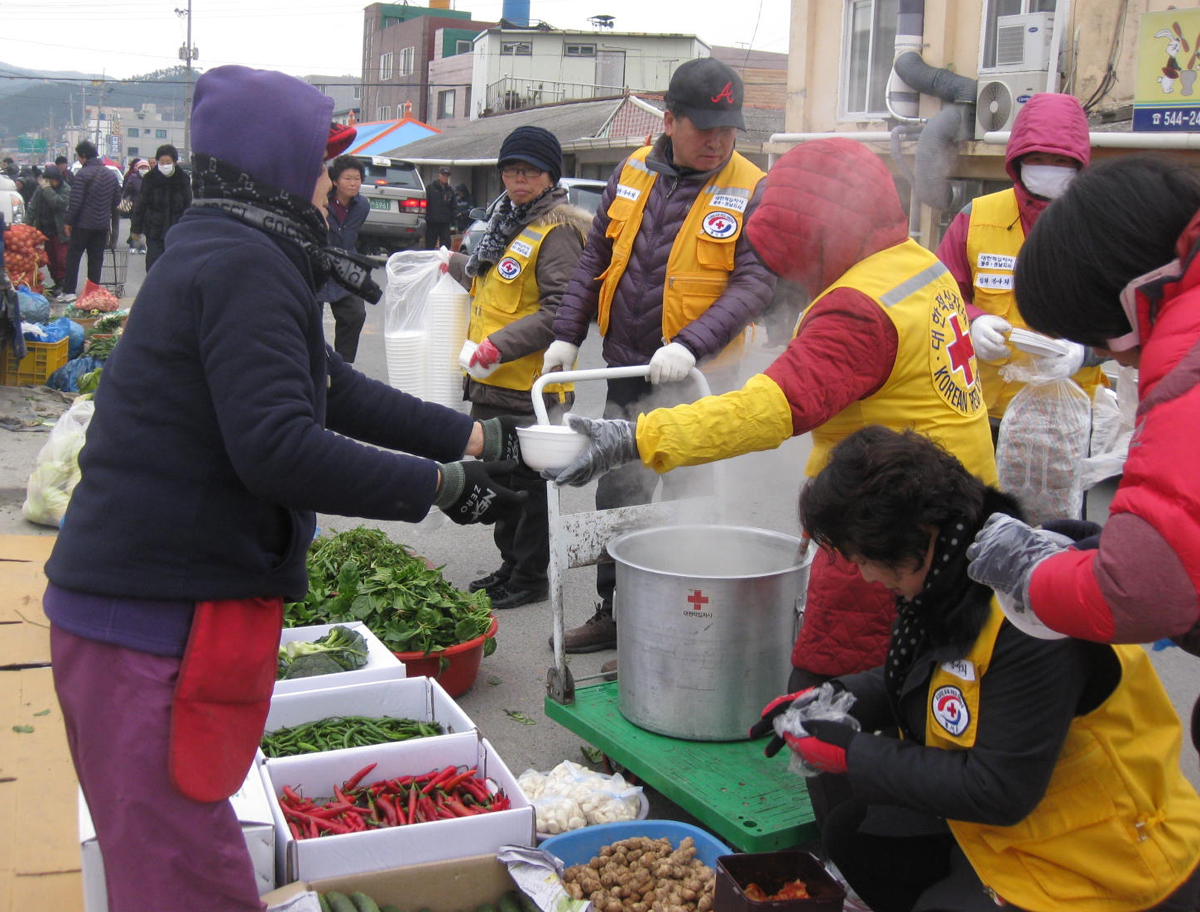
point(884, 341)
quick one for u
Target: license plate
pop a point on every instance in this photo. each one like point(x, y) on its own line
point(383, 204)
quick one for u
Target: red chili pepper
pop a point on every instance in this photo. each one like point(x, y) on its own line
point(438, 777)
point(477, 789)
point(312, 828)
point(458, 808)
point(357, 777)
point(398, 808)
point(295, 830)
point(413, 794)
point(329, 811)
point(453, 782)
point(389, 812)
point(290, 794)
point(427, 807)
point(500, 803)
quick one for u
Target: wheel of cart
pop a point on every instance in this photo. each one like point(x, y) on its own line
point(115, 269)
point(754, 804)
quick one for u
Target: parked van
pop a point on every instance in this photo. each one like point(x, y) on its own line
point(396, 194)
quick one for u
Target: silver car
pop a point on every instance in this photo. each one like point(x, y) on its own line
point(396, 194)
point(581, 191)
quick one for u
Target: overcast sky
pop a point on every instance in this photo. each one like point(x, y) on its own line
point(122, 38)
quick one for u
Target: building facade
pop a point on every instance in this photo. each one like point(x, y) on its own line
point(346, 92)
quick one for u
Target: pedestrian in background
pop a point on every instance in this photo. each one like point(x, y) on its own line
point(166, 192)
point(517, 276)
point(64, 168)
point(47, 213)
point(439, 211)
point(347, 212)
point(129, 194)
point(91, 212)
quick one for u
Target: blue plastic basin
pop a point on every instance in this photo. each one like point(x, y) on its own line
point(581, 846)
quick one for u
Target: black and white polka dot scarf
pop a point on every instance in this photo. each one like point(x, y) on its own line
point(945, 613)
point(217, 185)
point(503, 226)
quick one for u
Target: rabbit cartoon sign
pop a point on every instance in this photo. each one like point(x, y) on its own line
point(1166, 97)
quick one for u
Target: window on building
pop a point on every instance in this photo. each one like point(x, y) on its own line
point(385, 66)
point(406, 61)
point(446, 103)
point(358, 91)
point(516, 48)
point(383, 112)
point(995, 39)
point(868, 44)
point(579, 50)
point(160, 134)
point(133, 132)
point(133, 150)
point(462, 47)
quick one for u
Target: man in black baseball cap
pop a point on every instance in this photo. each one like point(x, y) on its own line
point(669, 277)
point(439, 210)
point(708, 93)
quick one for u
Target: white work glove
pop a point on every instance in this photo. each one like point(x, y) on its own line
point(1004, 555)
point(559, 356)
point(671, 363)
point(989, 337)
point(1062, 365)
point(612, 442)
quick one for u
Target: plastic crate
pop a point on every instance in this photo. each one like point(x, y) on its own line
point(42, 359)
point(771, 870)
point(580, 846)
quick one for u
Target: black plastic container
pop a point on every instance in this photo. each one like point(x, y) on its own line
point(771, 870)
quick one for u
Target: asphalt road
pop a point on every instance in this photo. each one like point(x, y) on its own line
point(759, 489)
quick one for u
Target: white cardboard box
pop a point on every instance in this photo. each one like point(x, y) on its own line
point(422, 699)
point(253, 809)
point(382, 664)
point(314, 776)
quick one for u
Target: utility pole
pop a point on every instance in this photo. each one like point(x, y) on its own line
point(187, 53)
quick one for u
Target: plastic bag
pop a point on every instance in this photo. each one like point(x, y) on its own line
point(569, 786)
point(57, 471)
point(97, 297)
point(556, 814)
point(829, 704)
point(1113, 417)
point(411, 276)
point(34, 307)
point(67, 377)
point(1042, 443)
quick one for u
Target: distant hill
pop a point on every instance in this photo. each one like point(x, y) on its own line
point(54, 99)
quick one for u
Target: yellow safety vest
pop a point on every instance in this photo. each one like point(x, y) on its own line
point(506, 293)
point(994, 238)
point(1119, 826)
point(702, 255)
point(934, 384)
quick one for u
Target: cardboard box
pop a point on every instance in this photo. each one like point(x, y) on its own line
point(439, 886)
point(253, 808)
point(314, 776)
point(382, 664)
point(422, 699)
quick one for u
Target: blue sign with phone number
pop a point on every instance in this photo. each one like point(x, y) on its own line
point(1166, 118)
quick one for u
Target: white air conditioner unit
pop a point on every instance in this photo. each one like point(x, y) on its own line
point(1001, 95)
point(1022, 43)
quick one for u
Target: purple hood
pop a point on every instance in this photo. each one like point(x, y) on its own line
point(271, 125)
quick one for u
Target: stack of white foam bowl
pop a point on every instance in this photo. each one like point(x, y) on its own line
point(405, 350)
point(446, 330)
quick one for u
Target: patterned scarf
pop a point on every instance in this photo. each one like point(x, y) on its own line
point(502, 227)
point(217, 185)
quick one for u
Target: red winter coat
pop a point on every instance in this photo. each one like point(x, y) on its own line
point(1143, 582)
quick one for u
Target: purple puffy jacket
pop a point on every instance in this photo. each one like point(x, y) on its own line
point(635, 324)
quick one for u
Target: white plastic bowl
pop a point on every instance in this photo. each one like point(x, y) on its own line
point(550, 446)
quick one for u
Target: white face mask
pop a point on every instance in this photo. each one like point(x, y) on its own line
point(166, 170)
point(1049, 181)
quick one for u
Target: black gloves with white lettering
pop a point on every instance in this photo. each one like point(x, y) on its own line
point(500, 437)
point(468, 494)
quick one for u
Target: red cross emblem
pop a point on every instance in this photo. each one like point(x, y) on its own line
point(726, 94)
point(697, 599)
point(961, 351)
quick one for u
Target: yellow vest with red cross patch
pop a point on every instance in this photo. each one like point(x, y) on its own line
point(994, 239)
point(1118, 828)
point(506, 293)
point(702, 256)
point(933, 387)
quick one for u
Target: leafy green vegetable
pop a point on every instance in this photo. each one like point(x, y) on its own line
point(89, 381)
point(308, 666)
point(345, 648)
point(361, 575)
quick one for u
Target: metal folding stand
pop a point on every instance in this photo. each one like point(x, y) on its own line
point(754, 804)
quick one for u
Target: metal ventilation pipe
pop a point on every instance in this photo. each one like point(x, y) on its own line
point(912, 77)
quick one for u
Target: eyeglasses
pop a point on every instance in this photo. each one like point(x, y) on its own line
point(527, 171)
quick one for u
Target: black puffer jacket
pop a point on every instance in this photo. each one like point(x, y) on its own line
point(160, 203)
point(95, 196)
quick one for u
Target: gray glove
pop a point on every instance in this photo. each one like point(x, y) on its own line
point(1005, 553)
point(612, 442)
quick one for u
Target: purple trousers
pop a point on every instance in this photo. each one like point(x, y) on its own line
point(161, 849)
